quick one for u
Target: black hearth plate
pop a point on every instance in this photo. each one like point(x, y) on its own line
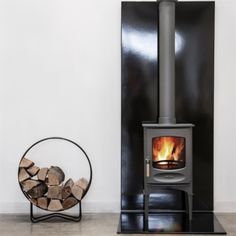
point(170, 223)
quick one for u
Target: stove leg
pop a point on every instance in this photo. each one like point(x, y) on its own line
point(146, 210)
point(190, 206)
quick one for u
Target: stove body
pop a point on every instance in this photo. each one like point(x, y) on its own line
point(167, 161)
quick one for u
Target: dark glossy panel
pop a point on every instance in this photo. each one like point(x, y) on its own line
point(194, 96)
point(195, 91)
point(139, 92)
point(177, 223)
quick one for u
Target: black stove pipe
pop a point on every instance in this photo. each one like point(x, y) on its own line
point(167, 62)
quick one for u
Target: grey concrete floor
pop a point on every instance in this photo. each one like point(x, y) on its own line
point(91, 225)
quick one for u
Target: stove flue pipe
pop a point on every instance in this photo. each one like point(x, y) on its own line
point(167, 62)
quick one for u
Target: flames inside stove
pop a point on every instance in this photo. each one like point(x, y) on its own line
point(168, 152)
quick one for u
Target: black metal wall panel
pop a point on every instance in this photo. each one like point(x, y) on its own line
point(194, 96)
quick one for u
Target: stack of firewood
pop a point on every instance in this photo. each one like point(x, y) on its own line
point(46, 189)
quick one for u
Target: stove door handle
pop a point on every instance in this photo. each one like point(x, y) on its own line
point(147, 167)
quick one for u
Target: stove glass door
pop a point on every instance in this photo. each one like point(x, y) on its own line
point(168, 152)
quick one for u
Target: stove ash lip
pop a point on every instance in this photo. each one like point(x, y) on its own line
point(153, 124)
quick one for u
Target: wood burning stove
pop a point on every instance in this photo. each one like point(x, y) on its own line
point(167, 145)
point(167, 160)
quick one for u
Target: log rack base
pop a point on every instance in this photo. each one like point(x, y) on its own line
point(36, 219)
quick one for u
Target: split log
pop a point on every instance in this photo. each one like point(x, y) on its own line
point(77, 192)
point(55, 192)
point(82, 183)
point(26, 163)
point(33, 201)
point(23, 175)
point(55, 205)
point(29, 184)
point(42, 174)
point(69, 202)
point(69, 182)
point(42, 202)
point(55, 175)
point(33, 170)
point(38, 191)
point(66, 192)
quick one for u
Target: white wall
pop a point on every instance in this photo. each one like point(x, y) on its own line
point(60, 76)
point(225, 109)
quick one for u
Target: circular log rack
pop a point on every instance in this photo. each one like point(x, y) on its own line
point(77, 218)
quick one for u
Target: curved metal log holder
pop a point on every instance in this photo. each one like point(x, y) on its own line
point(33, 217)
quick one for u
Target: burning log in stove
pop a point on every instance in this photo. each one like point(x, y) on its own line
point(168, 152)
point(45, 187)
